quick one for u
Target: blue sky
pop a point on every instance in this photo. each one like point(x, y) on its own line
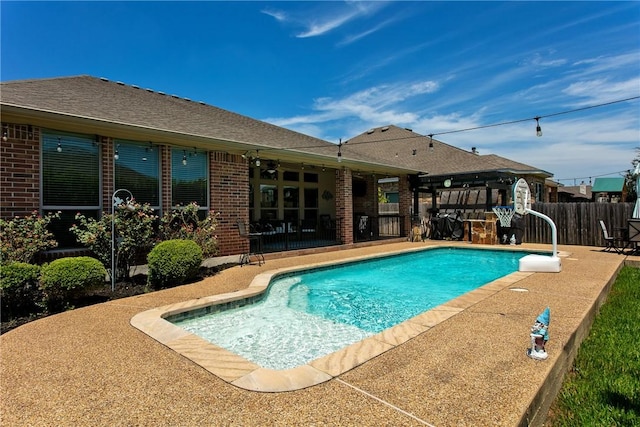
point(335, 69)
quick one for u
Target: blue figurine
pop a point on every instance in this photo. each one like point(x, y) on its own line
point(540, 336)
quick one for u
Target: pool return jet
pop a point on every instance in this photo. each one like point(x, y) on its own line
point(535, 262)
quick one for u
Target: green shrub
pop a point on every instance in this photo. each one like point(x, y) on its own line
point(183, 222)
point(19, 292)
point(173, 262)
point(65, 278)
point(22, 238)
point(133, 224)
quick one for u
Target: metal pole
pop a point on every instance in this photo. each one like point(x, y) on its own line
point(113, 218)
point(113, 246)
point(113, 231)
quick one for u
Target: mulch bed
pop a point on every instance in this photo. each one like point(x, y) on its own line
point(135, 286)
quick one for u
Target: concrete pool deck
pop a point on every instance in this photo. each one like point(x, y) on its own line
point(90, 366)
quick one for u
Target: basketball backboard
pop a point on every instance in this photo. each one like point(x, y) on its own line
point(521, 197)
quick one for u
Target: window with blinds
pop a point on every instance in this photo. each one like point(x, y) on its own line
point(138, 170)
point(70, 171)
point(189, 178)
point(70, 181)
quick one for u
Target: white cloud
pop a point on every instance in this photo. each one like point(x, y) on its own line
point(278, 15)
point(602, 90)
point(376, 105)
point(537, 60)
point(626, 61)
point(328, 17)
point(319, 28)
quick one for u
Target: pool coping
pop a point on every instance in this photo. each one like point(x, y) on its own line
point(242, 373)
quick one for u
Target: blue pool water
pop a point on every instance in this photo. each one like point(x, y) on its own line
point(309, 314)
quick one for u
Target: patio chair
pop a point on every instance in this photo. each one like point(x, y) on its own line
point(255, 241)
point(363, 227)
point(611, 242)
point(327, 227)
point(633, 231)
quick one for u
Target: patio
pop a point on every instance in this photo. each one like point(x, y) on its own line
point(91, 367)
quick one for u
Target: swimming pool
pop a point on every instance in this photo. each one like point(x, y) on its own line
point(308, 314)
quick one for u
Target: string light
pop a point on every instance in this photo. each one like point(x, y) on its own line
point(59, 147)
point(431, 135)
point(184, 157)
point(593, 176)
point(147, 150)
point(538, 128)
point(340, 150)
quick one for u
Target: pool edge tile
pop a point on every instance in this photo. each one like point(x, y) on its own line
point(402, 332)
point(351, 356)
point(273, 381)
point(436, 315)
point(217, 360)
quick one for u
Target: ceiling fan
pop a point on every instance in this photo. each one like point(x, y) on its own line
point(272, 167)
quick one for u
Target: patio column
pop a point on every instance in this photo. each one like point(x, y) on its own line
point(165, 180)
point(489, 201)
point(229, 195)
point(344, 205)
point(404, 204)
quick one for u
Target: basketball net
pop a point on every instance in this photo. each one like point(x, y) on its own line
point(504, 214)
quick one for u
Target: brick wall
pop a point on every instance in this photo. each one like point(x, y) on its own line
point(106, 153)
point(405, 202)
point(367, 204)
point(19, 170)
point(165, 177)
point(344, 207)
point(229, 196)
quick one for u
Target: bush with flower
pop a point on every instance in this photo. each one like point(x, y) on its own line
point(22, 238)
point(133, 225)
point(183, 222)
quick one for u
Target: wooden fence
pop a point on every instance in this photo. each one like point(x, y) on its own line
point(577, 223)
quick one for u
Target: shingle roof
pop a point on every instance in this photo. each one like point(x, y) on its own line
point(574, 191)
point(444, 159)
point(107, 101)
point(513, 166)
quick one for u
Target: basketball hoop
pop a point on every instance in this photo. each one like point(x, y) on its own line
point(504, 214)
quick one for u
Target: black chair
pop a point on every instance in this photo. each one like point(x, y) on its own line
point(611, 242)
point(633, 235)
point(327, 227)
point(255, 241)
point(363, 227)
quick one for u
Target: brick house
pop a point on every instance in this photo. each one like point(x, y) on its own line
point(70, 143)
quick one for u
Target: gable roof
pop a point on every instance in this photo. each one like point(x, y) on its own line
point(574, 191)
point(92, 105)
point(607, 185)
point(102, 100)
point(514, 167)
point(440, 160)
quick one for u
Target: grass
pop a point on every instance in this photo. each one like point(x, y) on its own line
point(603, 387)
